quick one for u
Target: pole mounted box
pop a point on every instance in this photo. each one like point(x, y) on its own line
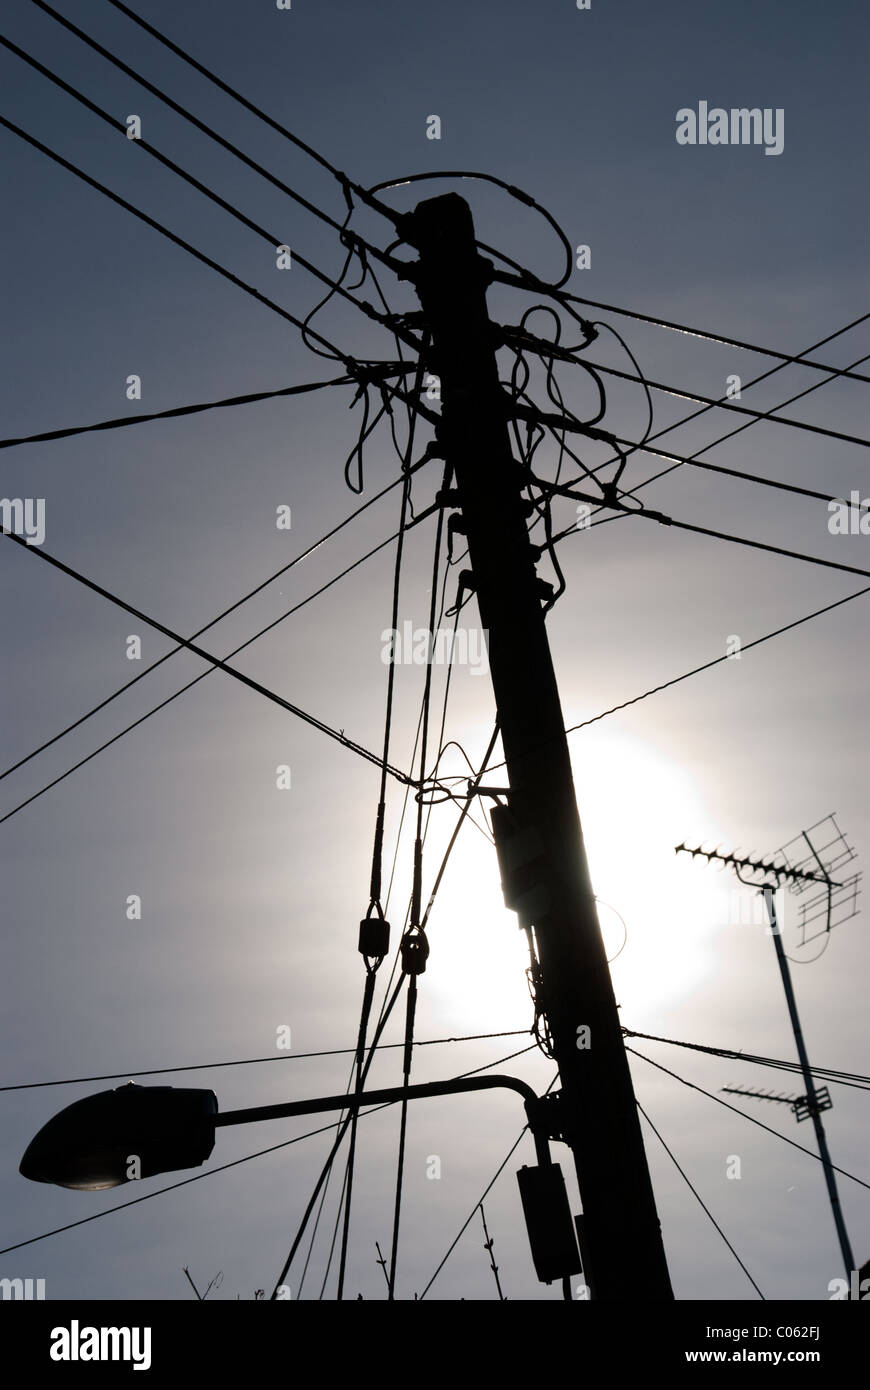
point(521, 864)
point(549, 1223)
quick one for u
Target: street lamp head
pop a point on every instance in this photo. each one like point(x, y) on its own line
point(117, 1136)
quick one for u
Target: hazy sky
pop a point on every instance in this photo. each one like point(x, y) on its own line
point(251, 895)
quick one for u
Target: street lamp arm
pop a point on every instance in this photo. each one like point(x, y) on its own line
point(397, 1093)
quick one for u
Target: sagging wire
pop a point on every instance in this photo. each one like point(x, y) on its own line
point(414, 945)
point(374, 937)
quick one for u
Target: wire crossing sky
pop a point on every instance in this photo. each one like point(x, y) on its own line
point(206, 202)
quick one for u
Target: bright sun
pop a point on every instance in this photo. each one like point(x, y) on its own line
point(635, 806)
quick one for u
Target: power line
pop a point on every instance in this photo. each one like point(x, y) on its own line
point(335, 286)
point(730, 434)
point(196, 679)
point(373, 959)
point(843, 1078)
point(754, 545)
point(176, 411)
point(252, 1061)
point(539, 347)
point(361, 372)
point(745, 1116)
point(566, 489)
point(386, 1009)
point(297, 559)
point(484, 1194)
point(214, 661)
point(647, 514)
point(696, 1194)
point(362, 193)
point(530, 282)
point(716, 661)
point(706, 666)
point(172, 236)
point(219, 139)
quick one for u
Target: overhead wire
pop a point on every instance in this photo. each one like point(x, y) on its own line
point(730, 434)
point(387, 1007)
point(373, 959)
point(334, 286)
point(345, 182)
point(696, 1194)
point(207, 130)
point(284, 569)
point(752, 1119)
point(414, 946)
point(707, 665)
point(352, 366)
point(517, 338)
point(533, 285)
point(854, 1079)
point(216, 662)
point(490, 1185)
point(252, 1061)
point(518, 193)
point(196, 679)
point(176, 411)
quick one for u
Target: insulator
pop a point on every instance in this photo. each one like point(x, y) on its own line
point(415, 951)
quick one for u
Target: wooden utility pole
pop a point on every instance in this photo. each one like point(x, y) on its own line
point(624, 1257)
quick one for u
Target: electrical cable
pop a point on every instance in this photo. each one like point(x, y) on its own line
point(696, 1194)
point(252, 1061)
point(725, 403)
point(386, 1010)
point(716, 661)
point(214, 661)
point(176, 411)
point(355, 369)
point(533, 285)
point(525, 198)
point(374, 960)
point(707, 665)
point(343, 179)
point(309, 550)
point(490, 1185)
point(197, 1177)
point(202, 676)
point(213, 134)
point(647, 514)
point(164, 231)
point(692, 458)
point(785, 1139)
point(414, 947)
point(842, 1078)
point(343, 1126)
point(335, 286)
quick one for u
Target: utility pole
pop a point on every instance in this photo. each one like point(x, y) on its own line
point(596, 1113)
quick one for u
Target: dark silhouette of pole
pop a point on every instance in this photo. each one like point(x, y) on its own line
point(597, 1113)
point(814, 1109)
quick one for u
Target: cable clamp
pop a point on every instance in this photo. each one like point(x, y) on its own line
point(414, 951)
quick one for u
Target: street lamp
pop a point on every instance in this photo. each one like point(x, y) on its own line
point(135, 1132)
point(116, 1136)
